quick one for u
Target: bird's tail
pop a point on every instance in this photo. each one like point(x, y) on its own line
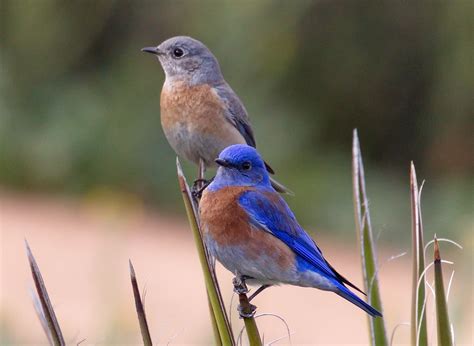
point(345, 293)
point(280, 187)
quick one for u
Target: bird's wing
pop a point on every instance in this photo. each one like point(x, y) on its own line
point(270, 213)
point(236, 113)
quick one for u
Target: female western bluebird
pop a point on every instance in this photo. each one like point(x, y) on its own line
point(251, 230)
point(200, 113)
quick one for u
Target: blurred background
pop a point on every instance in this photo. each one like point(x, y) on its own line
point(88, 177)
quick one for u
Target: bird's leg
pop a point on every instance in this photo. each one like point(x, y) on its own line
point(200, 183)
point(201, 174)
point(246, 310)
point(258, 291)
point(197, 192)
point(239, 285)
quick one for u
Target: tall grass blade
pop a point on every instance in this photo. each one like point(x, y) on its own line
point(140, 308)
point(212, 286)
point(368, 251)
point(445, 338)
point(419, 334)
point(55, 335)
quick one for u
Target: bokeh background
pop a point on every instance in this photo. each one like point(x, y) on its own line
point(88, 177)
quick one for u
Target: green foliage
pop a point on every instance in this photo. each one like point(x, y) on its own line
point(419, 334)
point(368, 251)
point(445, 337)
point(79, 104)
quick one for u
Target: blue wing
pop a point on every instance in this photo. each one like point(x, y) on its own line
point(269, 212)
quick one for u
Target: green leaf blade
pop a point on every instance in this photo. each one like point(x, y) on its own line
point(377, 329)
point(218, 312)
point(419, 333)
point(442, 317)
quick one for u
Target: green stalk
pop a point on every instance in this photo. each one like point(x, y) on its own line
point(368, 251)
point(247, 313)
point(218, 312)
point(442, 317)
point(215, 330)
point(252, 331)
point(419, 334)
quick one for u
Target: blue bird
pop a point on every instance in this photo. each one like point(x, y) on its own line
point(251, 230)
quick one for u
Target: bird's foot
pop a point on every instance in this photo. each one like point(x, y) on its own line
point(247, 310)
point(239, 285)
point(198, 187)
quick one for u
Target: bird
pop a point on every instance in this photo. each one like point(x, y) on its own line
point(249, 228)
point(200, 113)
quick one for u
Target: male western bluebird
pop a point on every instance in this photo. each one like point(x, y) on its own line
point(200, 113)
point(251, 230)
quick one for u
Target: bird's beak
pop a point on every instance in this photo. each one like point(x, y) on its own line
point(222, 162)
point(152, 50)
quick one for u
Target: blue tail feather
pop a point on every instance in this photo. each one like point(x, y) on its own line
point(345, 293)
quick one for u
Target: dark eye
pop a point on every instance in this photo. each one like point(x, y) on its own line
point(178, 52)
point(246, 166)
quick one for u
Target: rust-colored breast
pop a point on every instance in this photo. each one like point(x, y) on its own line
point(221, 216)
point(199, 109)
point(227, 223)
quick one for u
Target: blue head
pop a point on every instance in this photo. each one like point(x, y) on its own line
point(240, 165)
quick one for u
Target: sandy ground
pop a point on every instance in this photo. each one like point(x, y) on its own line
point(83, 247)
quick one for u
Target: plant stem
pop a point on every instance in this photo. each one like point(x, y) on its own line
point(367, 248)
point(212, 286)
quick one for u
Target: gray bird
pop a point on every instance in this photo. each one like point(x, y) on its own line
point(200, 113)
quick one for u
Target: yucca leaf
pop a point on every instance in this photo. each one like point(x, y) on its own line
point(368, 251)
point(215, 329)
point(250, 323)
point(40, 314)
point(445, 337)
point(145, 331)
point(55, 335)
point(419, 335)
point(218, 312)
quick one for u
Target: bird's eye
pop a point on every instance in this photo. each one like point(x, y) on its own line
point(246, 166)
point(178, 52)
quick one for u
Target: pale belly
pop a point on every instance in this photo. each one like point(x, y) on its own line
point(192, 144)
point(260, 270)
point(194, 122)
point(264, 269)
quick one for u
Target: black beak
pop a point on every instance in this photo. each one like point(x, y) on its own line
point(222, 162)
point(152, 50)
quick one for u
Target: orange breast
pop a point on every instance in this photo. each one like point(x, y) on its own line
point(199, 109)
point(227, 223)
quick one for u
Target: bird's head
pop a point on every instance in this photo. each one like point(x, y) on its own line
point(184, 58)
point(241, 165)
